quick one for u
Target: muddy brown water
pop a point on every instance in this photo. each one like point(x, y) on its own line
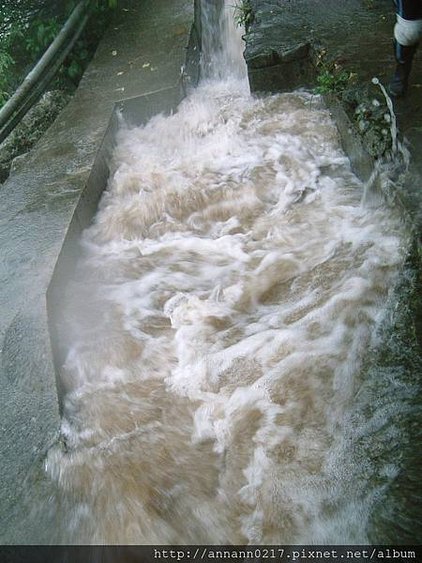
point(229, 290)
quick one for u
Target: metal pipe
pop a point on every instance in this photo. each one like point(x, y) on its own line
point(36, 81)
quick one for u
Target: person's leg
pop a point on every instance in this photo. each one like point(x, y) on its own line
point(408, 9)
point(407, 33)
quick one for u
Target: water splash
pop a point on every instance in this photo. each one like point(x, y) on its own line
point(393, 119)
point(398, 147)
point(222, 45)
point(387, 174)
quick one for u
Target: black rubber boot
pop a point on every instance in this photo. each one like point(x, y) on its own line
point(400, 80)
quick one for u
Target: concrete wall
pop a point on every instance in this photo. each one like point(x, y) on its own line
point(140, 69)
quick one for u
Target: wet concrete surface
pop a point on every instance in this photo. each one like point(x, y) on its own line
point(142, 52)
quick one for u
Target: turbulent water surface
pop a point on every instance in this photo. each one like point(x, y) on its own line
point(228, 292)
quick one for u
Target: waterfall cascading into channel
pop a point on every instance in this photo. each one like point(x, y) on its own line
point(227, 296)
point(222, 45)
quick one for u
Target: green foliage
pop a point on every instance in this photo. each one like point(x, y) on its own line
point(39, 35)
point(243, 14)
point(332, 78)
point(74, 70)
point(27, 27)
point(332, 81)
point(6, 62)
point(26, 33)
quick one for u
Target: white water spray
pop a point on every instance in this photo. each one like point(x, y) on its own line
point(393, 119)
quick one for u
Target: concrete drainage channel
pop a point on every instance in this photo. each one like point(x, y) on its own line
point(53, 196)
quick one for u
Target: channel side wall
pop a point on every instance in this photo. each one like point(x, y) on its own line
point(143, 65)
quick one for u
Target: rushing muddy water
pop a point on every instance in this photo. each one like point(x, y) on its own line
point(229, 291)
